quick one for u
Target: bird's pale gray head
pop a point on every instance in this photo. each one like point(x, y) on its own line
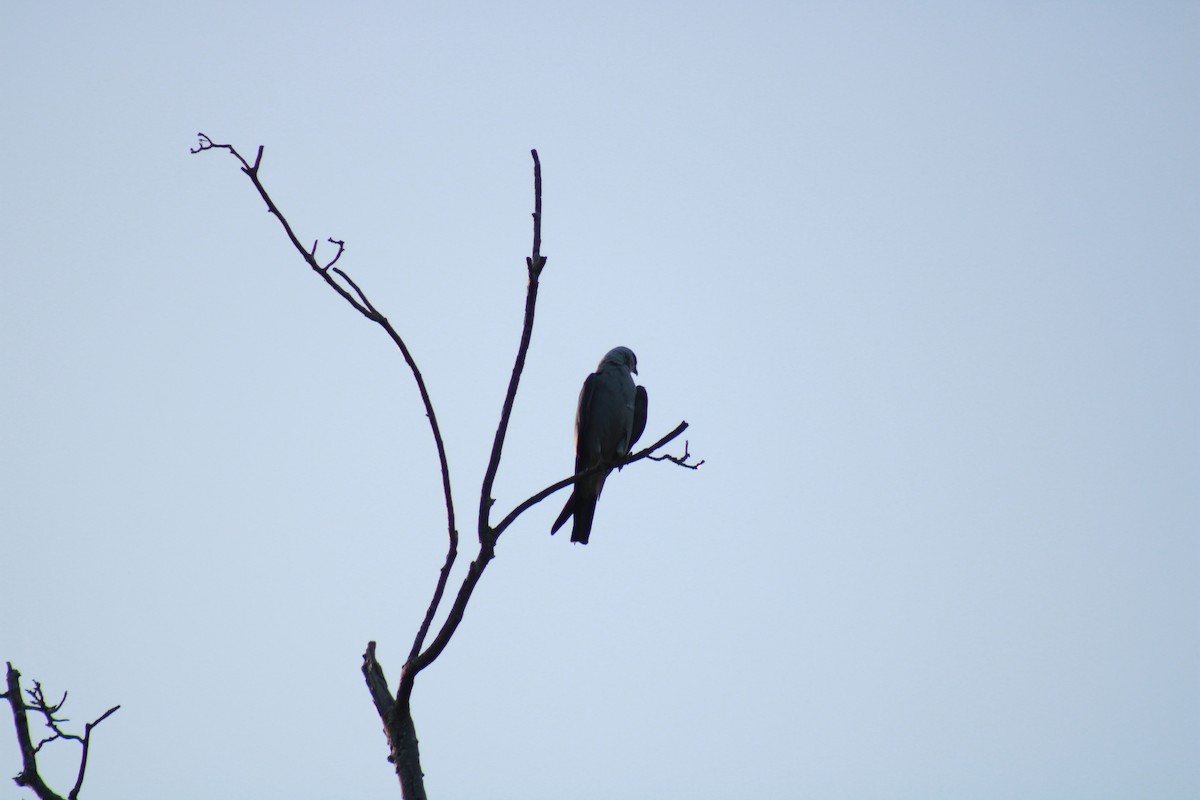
point(620, 356)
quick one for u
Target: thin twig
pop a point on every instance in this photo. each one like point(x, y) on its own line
point(679, 460)
point(309, 256)
point(83, 757)
point(208, 144)
point(341, 249)
point(353, 286)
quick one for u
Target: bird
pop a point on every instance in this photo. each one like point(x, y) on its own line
point(609, 420)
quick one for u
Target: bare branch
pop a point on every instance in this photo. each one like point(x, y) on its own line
point(208, 144)
point(341, 249)
point(396, 711)
point(679, 460)
point(29, 776)
point(565, 482)
point(37, 702)
point(353, 285)
point(38, 698)
point(419, 659)
point(358, 300)
point(536, 261)
point(377, 684)
point(309, 256)
point(534, 265)
point(83, 757)
point(453, 617)
point(475, 571)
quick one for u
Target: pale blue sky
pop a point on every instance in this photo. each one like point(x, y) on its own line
point(924, 280)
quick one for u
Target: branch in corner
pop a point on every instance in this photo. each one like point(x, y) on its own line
point(29, 776)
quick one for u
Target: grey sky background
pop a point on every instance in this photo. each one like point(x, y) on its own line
point(923, 280)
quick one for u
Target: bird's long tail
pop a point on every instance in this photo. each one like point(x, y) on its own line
point(567, 511)
point(581, 504)
point(584, 511)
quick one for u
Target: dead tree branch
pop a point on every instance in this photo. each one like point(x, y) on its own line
point(29, 775)
point(395, 710)
point(360, 302)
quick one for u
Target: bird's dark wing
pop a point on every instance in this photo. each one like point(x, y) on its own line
point(641, 407)
point(604, 431)
point(587, 426)
point(584, 445)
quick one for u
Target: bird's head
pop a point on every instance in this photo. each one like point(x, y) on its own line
point(622, 357)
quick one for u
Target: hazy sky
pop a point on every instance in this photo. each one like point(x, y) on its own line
point(923, 278)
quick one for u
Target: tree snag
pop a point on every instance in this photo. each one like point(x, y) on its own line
point(394, 709)
point(29, 776)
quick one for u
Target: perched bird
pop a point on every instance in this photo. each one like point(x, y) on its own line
point(610, 419)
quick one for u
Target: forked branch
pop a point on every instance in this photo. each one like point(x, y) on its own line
point(29, 776)
point(396, 711)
